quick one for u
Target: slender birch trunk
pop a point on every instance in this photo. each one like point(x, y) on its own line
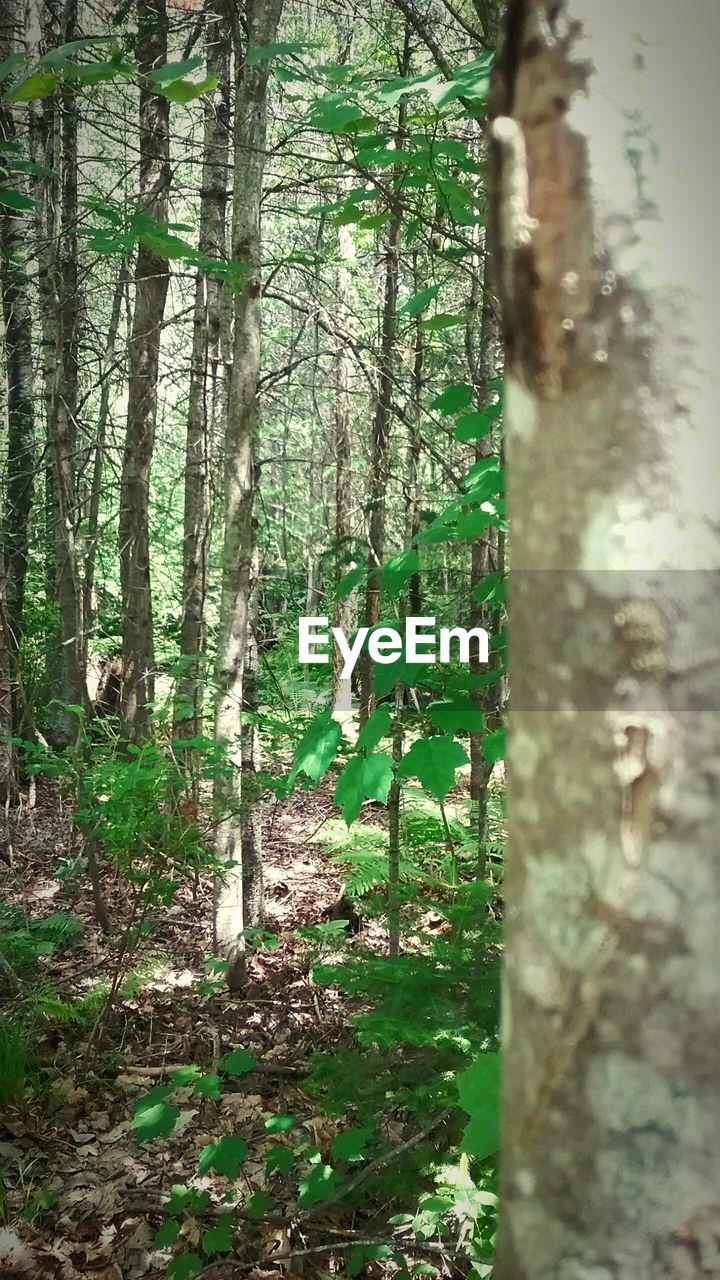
point(19, 484)
point(151, 286)
point(203, 379)
point(382, 424)
point(240, 477)
point(343, 612)
point(606, 241)
point(96, 482)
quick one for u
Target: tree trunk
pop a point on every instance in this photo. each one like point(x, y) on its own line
point(382, 422)
point(64, 723)
point(241, 429)
point(343, 612)
point(96, 483)
point(203, 378)
point(605, 188)
point(151, 285)
point(252, 867)
point(482, 350)
point(20, 463)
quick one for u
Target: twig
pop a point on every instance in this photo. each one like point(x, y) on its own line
point(218, 1269)
point(380, 1163)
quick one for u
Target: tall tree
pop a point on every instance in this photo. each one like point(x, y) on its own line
point(151, 286)
point(62, 426)
point(343, 610)
point(382, 421)
point(20, 459)
point(250, 130)
point(607, 259)
point(204, 374)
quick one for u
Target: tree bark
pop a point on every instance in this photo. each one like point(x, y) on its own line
point(151, 286)
point(382, 421)
point(96, 483)
point(343, 611)
point(240, 476)
point(607, 257)
point(203, 378)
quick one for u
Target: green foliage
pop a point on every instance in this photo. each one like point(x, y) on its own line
point(14, 1061)
point(363, 778)
point(317, 749)
point(154, 1116)
point(434, 761)
point(225, 1155)
point(479, 1094)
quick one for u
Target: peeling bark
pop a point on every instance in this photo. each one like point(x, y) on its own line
point(240, 479)
point(203, 379)
point(604, 204)
point(151, 285)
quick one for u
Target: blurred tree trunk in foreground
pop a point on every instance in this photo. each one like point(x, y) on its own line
point(606, 249)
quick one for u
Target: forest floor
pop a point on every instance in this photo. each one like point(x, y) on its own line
point(79, 1196)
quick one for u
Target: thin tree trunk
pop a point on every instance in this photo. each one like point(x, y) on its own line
point(203, 378)
point(412, 492)
point(252, 865)
point(382, 424)
point(394, 798)
point(20, 461)
point(483, 358)
point(240, 478)
point(151, 286)
point(96, 483)
point(607, 257)
point(343, 612)
point(64, 722)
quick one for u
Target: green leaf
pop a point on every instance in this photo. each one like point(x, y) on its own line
point(167, 1234)
point(281, 1159)
point(479, 1093)
point(186, 1200)
point(365, 1253)
point(334, 114)
point(419, 301)
point(472, 426)
point(320, 1184)
point(183, 91)
point(8, 65)
point(350, 581)
point(183, 1266)
point(443, 320)
point(224, 1155)
point(351, 1144)
point(154, 1117)
point(492, 590)
point(398, 570)
point(363, 778)
point(39, 84)
point(237, 1063)
point(174, 70)
point(376, 727)
point(208, 1086)
point(17, 201)
point(493, 746)
point(55, 57)
point(317, 748)
point(280, 1124)
point(455, 714)
point(454, 398)
point(257, 1205)
point(219, 1238)
point(433, 761)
